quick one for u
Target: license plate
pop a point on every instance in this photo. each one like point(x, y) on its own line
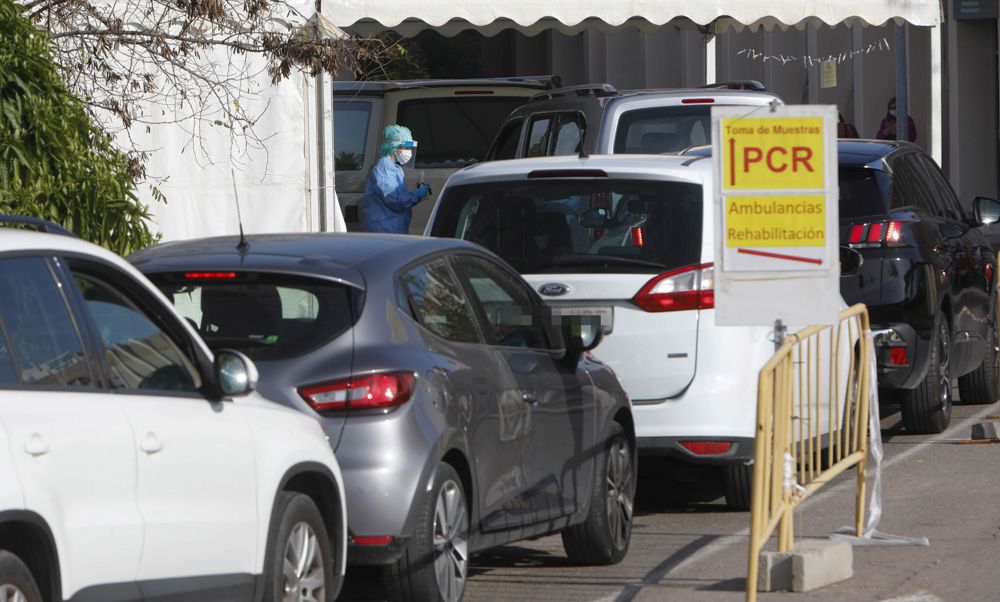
point(606, 314)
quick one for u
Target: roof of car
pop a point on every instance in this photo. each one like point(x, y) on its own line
point(862, 152)
point(348, 257)
point(603, 93)
point(380, 87)
point(632, 166)
point(13, 239)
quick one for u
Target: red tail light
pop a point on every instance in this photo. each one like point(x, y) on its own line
point(374, 391)
point(875, 233)
point(372, 540)
point(697, 101)
point(638, 236)
point(209, 275)
point(707, 448)
point(691, 287)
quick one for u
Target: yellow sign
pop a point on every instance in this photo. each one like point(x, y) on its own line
point(775, 221)
point(772, 153)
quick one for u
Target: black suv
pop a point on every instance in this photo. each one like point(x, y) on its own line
point(927, 277)
point(598, 119)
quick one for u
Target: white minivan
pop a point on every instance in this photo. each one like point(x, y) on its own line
point(629, 238)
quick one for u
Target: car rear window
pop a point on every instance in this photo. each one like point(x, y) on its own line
point(453, 132)
point(578, 225)
point(863, 192)
point(663, 129)
point(267, 317)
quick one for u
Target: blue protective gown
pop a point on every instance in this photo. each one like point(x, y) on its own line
point(388, 204)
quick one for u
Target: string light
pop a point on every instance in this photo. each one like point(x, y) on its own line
point(808, 61)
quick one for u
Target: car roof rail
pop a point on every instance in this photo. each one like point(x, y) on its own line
point(42, 225)
point(738, 84)
point(581, 90)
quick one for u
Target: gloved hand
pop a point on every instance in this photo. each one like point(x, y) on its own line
point(424, 190)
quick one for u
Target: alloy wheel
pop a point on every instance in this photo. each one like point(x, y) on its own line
point(451, 541)
point(943, 360)
point(10, 593)
point(620, 491)
point(303, 567)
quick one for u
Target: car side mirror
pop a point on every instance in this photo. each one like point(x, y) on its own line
point(235, 373)
point(594, 218)
point(581, 333)
point(850, 261)
point(986, 210)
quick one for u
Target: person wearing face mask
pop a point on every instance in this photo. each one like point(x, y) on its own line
point(887, 129)
point(388, 205)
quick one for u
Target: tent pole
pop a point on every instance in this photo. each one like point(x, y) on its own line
point(902, 100)
point(934, 133)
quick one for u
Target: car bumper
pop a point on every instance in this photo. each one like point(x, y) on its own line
point(740, 452)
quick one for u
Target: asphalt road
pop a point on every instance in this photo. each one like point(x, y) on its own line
point(686, 546)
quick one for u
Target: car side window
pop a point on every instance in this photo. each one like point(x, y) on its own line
point(510, 315)
point(568, 133)
point(350, 133)
point(8, 375)
point(435, 299)
point(42, 335)
point(910, 188)
point(506, 143)
point(137, 353)
point(538, 136)
point(942, 189)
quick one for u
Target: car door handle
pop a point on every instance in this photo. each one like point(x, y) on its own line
point(36, 445)
point(151, 443)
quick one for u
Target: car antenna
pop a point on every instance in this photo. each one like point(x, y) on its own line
point(243, 246)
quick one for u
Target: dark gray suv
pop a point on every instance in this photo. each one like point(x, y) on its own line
point(462, 418)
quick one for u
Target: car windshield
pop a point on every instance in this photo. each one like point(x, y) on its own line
point(265, 316)
point(863, 192)
point(578, 225)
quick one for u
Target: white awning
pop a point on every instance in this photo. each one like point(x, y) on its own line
point(489, 17)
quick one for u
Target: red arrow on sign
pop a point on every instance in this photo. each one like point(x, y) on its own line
point(780, 256)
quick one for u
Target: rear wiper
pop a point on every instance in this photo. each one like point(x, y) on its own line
point(586, 260)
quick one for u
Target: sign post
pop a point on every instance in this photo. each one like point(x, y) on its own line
point(776, 218)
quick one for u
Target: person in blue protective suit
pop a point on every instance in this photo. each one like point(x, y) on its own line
point(388, 205)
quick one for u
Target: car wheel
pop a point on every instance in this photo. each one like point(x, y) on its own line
point(16, 582)
point(737, 483)
point(980, 385)
point(604, 536)
point(927, 408)
point(435, 563)
point(298, 566)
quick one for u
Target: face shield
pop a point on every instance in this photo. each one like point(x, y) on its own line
point(406, 154)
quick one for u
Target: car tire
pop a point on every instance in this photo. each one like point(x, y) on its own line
point(927, 408)
point(603, 537)
point(980, 385)
point(298, 536)
point(737, 485)
point(435, 562)
point(16, 582)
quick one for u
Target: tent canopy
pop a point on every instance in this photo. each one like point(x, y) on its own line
point(489, 17)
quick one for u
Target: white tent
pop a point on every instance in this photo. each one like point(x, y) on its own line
point(569, 16)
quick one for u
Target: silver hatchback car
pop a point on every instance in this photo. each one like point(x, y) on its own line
point(462, 416)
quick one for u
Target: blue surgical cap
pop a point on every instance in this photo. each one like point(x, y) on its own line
point(394, 136)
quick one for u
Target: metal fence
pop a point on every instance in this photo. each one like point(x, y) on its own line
point(812, 425)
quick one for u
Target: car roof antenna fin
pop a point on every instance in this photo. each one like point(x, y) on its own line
point(243, 246)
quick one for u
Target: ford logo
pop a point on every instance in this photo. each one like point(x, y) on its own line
point(553, 289)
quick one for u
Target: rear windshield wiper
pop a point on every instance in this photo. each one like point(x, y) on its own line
point(597, 260)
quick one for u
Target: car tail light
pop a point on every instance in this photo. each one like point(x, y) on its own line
point(876, 233)
point(372, 540)
point(209, 275)
point(373, 391)
point(691, 287)
point(707, 448)
point(697, 101)
point(897, 356)
point(638, 236)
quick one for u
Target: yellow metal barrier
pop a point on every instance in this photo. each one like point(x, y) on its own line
point(812, 425)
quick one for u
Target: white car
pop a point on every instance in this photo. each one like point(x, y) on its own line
point(629, 238)
point(135, 464)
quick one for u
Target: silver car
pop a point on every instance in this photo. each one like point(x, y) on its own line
point(462, 415)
